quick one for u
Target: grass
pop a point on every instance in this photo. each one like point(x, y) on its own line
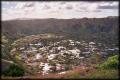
point(97, 74)
point(104, 74)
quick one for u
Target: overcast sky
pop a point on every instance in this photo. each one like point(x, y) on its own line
point(58, 9)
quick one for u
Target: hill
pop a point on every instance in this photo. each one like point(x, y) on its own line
point(98, 29)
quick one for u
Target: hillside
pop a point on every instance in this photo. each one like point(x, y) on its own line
point(60, 48)
point(85, 28)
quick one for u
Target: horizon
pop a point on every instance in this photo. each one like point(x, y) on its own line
point(58, 10)
point(55, 18)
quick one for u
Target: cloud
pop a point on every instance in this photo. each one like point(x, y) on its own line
point(8, 5)
point(87, 7)
point(69, 7)
point(29, 5)
point(46, 7)
point(58, 9)
point(19, 5)
point(62, 3)
point(97, 10)
point(96, 6)
point(108, 7)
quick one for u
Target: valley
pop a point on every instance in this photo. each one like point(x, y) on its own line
point(50, 53)
point(66, 51)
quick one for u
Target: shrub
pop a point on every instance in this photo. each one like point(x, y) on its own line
point(111, 63)
point(14, 71)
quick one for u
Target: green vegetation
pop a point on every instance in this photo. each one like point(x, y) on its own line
point(105, 70)
point(104, 74)
point(111, 63)
point(108, 69)
point(4, 39)
point(97, 74)
point(5, 47)
point(14, 71)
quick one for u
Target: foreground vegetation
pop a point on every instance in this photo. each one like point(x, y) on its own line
point(106, 70)
point(14, 71)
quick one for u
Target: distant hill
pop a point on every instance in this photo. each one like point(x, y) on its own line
point(85, 28)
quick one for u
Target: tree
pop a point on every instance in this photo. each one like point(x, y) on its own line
point(6, 51)
point(111, 63)
point(14, 71)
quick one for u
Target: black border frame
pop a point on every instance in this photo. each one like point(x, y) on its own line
point(48, 1)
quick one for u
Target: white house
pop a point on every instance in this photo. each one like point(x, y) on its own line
point(46, 68)
point(94, 49)
point(61, 47)
point(72, 44)
point(22, 48)
point(88, 52)
point(51, 51)
point(91, 43)
point(38, 44)
point(14, 49)
point(31, 44)
point(38, 56)
point(52, 56)
point(62, 72)
point(62, 52)
point(41, 64)
point(76, 52)
point(58, 67)
point(77, 42)
point(110, 49)
point(70, 40)
point(81, 57)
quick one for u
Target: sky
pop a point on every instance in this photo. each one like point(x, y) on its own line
point(58, 9)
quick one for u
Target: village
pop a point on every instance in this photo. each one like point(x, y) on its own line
point(59, 56)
